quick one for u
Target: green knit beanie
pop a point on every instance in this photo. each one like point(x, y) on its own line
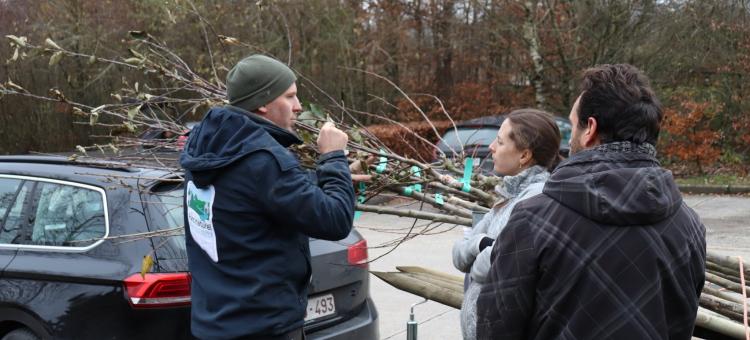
point(256, 81)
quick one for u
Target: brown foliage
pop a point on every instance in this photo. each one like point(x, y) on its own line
point(468, 100)
point(473, 55)
point(687, 135)
point(402, 140)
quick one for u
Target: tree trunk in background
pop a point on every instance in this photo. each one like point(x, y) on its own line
point(441, 40)
point(531, 36)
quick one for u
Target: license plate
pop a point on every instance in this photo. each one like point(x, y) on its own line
point(320, 306)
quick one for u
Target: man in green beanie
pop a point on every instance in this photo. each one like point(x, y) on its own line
point(250, 207)
point(266, 87)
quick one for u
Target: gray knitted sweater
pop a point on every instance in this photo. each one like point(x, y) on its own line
point(466, 255)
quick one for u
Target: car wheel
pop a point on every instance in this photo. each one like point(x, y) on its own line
point(21, 334)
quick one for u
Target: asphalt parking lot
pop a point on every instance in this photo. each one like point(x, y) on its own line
point(727, 220)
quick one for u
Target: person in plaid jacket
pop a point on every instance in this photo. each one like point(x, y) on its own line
point(609, 250)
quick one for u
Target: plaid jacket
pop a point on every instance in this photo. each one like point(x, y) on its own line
point(608, 251)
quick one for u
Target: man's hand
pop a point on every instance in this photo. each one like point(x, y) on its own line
point(447, 179)
point(331, 139)
point(361, 178)
point(357, 168)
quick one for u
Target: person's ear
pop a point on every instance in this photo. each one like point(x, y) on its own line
point(526, 157)
point(262, 110)
point(590, 137)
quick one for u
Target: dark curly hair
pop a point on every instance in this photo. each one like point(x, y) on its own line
point(621, 100)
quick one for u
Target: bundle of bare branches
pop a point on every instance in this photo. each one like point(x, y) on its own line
point(173, 90)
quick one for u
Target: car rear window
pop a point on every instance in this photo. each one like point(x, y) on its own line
point(165, 213)
point(68, 215)
point(454, 140)
point(11, 198)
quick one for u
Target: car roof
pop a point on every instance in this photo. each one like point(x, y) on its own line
point(491, 121)
point(63, 160)
point(486, 121)
point(94, 171)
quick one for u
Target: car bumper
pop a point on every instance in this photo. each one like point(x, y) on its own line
point(364, 326)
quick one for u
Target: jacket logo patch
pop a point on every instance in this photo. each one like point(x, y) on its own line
point(200, 218)
point(199, 206)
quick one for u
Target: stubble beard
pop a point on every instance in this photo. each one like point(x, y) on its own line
point(575, 145)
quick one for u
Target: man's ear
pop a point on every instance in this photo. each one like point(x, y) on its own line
point(261, 110)
point(590, 137)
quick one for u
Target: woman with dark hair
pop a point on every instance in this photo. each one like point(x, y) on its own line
point(525, 151)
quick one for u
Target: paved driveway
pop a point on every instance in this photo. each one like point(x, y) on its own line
point(727, 220)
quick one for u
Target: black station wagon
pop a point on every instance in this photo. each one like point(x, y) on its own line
point(67, 270)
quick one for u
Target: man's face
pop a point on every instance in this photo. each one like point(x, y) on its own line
point(283, 110)
point(575, 134)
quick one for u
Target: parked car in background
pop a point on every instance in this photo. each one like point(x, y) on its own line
point(65, 272)
point(473, 137)
point(159, 137)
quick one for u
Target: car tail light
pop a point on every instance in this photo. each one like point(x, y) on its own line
point(158, 290)
point(357, 254)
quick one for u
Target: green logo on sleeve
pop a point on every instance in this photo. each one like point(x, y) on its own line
point(202, 208)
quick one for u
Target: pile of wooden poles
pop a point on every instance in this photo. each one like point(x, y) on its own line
point(721, 304)
point(430, 284)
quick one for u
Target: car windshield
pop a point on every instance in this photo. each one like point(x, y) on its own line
point(453, 140)
point(166, 208)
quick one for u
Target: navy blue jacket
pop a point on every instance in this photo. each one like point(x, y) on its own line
point(263, 209)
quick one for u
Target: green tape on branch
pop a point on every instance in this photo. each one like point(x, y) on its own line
point(408, 191)
point(361, 198)
point(381, 167)
point(382, 164)
point(439, 198)
point(466, 180)
point(362, 188)
point(468, 167)
point(417, 172)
